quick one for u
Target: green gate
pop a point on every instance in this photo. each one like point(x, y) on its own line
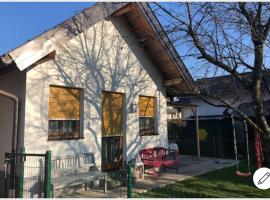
point(28, 175)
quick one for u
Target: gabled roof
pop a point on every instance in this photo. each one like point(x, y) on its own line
point(138, 17)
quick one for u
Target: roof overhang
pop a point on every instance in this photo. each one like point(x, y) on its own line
point(157, 45)
point(139, 17)
point(45, 43)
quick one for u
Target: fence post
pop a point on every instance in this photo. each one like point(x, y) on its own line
point(21, 173)
point(47, 181)
point(11, 182)
point(7, 174)
point(129, 181)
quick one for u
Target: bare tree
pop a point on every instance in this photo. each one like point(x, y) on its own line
point(228, 38)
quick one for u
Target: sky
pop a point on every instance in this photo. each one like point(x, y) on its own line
point(21, 22)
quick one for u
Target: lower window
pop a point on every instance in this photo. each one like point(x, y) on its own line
point(64, 129)
point(147, 126)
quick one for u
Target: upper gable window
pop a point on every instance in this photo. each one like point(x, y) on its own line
point(64, 113)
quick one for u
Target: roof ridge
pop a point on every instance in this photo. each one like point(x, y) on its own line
point(228, 75)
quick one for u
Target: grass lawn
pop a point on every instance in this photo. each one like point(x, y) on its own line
point(220, 183)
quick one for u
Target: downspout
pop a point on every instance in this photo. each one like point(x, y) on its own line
point(15, 117)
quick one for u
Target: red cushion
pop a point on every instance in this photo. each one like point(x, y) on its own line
point(157, 156)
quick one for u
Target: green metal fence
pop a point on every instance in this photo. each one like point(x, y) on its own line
point(27, 175)
point(129, 182)
point(33, 175)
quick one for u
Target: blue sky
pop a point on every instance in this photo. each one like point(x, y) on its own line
point(23, 21)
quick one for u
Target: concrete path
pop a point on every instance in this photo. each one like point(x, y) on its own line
point(189, 167)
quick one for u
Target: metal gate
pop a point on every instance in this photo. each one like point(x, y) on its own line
point(27, 175)
point(176, 132)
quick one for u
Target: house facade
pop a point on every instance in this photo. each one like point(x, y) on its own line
point(94, 84)
point(113, 71)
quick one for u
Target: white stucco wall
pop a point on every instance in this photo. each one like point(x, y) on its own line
point(203, 108)
point(105, 57)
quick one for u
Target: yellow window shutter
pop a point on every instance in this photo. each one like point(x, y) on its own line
point(112, 111)
point(106, 113)
point(117, 113)
point(64, 103)
point(147, 106)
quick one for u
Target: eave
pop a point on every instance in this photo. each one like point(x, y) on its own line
point(158, 47)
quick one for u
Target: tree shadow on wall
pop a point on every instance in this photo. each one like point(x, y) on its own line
point(105, 57)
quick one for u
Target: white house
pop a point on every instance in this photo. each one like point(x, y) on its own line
point(229, 89)
point(95, 83)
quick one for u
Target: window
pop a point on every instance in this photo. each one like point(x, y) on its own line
point(147, 112)
point(64, 113)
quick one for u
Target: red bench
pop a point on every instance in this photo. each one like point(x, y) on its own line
point(159, 156)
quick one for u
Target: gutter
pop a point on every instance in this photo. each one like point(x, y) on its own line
point(15, 118)
point(5, 60)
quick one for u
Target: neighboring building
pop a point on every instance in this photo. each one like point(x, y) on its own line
point(230, 89)
point(95, 83)
point(215, 120)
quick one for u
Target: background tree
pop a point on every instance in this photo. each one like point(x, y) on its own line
point(224, 38)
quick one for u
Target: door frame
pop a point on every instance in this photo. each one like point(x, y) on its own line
point(123, 126)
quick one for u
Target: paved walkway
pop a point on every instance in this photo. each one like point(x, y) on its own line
point(189, 166)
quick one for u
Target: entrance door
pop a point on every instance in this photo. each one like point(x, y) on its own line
point(112, 130)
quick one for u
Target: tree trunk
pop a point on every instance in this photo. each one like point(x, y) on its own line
point(266, 149)
point(256, 84)
point(258, 100)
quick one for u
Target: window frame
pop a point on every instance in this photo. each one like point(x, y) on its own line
point(61, 135)
point(153, 131)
